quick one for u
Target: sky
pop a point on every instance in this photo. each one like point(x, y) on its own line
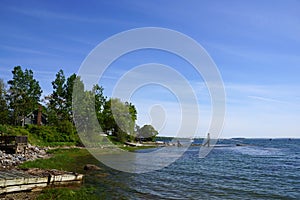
point(254, 44)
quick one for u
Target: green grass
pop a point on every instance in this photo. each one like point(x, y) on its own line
point(67, 194)
point(74, 160)
point(132, 149)
point(64, 159)
point(43, 136)
point(54, 144)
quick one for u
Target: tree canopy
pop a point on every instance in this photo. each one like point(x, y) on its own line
point(114, 116)
point(24, 93)
point(119, 119)
point(147, 132)
point(60, 101)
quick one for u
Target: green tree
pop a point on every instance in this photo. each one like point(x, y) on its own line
point(60, 106)
point(147, 132)
point(60, 101)
point(83, 110)
point(57, 101)
point(24, 93)
point(118, 119)
point(3, 104)
point(132, 110)
point(68, 88)
point(100, 101)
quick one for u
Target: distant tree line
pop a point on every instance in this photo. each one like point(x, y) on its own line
point(22, 94)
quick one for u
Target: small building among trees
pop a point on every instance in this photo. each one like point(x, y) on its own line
point(35, 117)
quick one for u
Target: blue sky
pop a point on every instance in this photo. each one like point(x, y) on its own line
point(255, 44)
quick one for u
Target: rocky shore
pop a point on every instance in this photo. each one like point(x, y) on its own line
point(9, 161)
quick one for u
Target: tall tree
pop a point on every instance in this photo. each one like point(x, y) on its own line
point(57, 98)
point(3, 104)
point(100, 101)
point(24, 93)
point(68, 88)
point(60, 101)
point(83, 110)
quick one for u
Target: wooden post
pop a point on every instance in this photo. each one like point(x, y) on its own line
point(207, 143)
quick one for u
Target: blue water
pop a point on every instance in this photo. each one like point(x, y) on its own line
point(266, 169)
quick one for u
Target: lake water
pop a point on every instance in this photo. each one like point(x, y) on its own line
point(266, 169)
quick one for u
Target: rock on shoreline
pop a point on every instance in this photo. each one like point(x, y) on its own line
point(8, 161)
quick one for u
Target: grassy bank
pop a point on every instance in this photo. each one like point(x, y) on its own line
point(69, 160)
point(43, 135)
point(74, 159)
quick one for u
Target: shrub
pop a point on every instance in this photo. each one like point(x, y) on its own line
point(67, 131)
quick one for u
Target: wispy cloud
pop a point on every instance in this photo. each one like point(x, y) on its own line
point(266, 99)
point(82, 41)
point(263, 97)
point(26, 50)
point(52, 15)
point(275, 20)
point(253, 53)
